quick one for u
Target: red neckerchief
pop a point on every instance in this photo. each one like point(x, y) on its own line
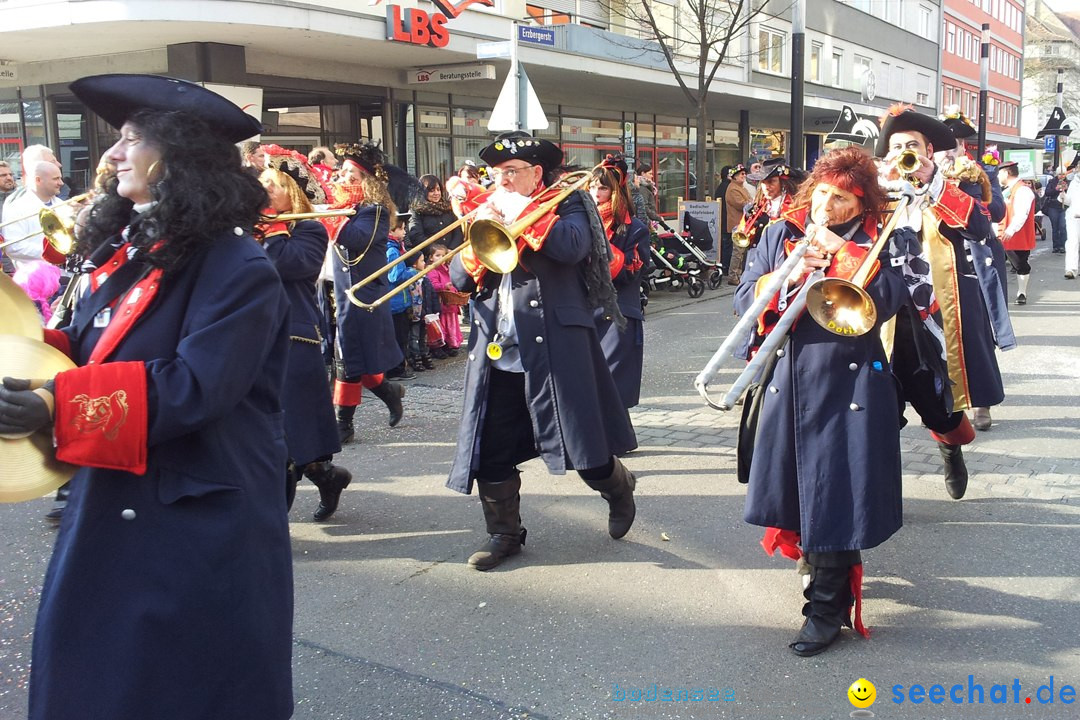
point(344, 197)
point(126, 309)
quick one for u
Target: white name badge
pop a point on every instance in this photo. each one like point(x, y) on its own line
point(102, 318)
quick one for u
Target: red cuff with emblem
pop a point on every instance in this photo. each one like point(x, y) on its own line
point(772, 312)
point(953, 207)
point(847, 261)
point(59, 340)
point(101, 416)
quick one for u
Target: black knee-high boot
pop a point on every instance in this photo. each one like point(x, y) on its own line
point(828, 601)
point(391, 393)
point(618, 490)
point(331, 480)
point(501, 502)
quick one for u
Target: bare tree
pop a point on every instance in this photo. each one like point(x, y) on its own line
point(696, 37)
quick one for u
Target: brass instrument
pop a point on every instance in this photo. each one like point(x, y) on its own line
point(494, 244)
point(965, 169)
point(840, 306)
point(58, 227)
point(293, 217)
point(908, 162)
point(69, 201)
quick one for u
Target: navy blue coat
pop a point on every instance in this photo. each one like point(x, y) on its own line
point(310, 427)
point(578, 417)
point(827, 460)
point(625, 349)
point(365, 339)
point(184, 610)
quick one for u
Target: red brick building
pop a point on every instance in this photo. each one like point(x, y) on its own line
point(960, 72)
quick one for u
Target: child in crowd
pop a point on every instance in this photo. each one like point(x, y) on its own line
point(400, 303)
point(424, 302)
point(449, 316)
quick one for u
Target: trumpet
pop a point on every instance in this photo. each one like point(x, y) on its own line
point(908, 162)
point(495, 244)
point(840, 306)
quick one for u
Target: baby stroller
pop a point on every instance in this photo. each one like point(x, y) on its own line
point(697, 239)
point(672, 269)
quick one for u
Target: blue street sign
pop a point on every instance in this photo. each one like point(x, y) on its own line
point(1049, 143)
point(536, 35)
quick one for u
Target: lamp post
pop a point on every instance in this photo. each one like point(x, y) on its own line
point(798, 37)
point(984, 84)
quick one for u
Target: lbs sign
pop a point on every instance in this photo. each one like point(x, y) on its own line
point(418, 27)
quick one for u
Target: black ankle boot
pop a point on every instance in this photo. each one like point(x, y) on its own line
point(956, 472)
point(828, 608)
point(293, 476)
point(428, 364)
point(331, 480)
point(345, 428)
point(618, 490)
point(391, 394)
point(502, 504)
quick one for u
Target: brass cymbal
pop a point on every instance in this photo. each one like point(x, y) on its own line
point(28, 466)
point(18, 314)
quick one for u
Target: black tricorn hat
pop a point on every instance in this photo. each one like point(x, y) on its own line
point(1054, 125)
point(520, 145)
point(903, 118)
point(852, 128)
point(776, 167)
point(1007, 165)
point(119, 96)
point(958, 123)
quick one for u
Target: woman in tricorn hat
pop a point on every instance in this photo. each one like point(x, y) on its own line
point(169, 594)
point(297, 249)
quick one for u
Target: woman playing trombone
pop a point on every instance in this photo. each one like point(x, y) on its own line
point(825, 481)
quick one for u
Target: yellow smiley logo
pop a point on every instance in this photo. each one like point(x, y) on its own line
point(862, 693)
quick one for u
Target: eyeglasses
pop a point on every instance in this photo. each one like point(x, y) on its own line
point(509, 173)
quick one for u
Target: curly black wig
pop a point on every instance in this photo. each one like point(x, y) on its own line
point(201, 194)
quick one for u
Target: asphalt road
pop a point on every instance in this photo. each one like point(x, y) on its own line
point(390, 623)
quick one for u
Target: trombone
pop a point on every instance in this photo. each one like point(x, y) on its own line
point(494, 243)
point(292, 217)
point(69, 201)
point(59, 231)
point(840, 306)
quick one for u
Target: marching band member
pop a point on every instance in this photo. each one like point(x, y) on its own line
point(624, 348)
point(536, 382)
point(174, 547)
point(825, 478)
point(945, 345)
point(366, 344)
point(1017, 230)
point(297, 250)
point(777, 183)
point(979, 179)
point(463, 186)
point(736, 198)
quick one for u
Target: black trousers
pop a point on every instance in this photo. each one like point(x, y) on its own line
point(1019, 260)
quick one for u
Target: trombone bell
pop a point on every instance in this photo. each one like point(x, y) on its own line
point(841, 307)
point(740, 239)
point(58, 231)
point(493, 246)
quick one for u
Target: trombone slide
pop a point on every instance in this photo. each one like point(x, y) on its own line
point(724, 352)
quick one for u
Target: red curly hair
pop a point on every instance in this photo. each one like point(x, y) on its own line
point(849, 169)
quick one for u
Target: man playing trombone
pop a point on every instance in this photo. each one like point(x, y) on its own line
point(945, 341)
point(536, 381)
point(825, 478)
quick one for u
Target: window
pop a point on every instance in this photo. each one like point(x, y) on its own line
point(815, 62)
point(990, 104)
point(770, 51)
point(950, 37)
point(837, 64)
point(862, 66)
point(925, 21)
point(922, 90)
point(896, 83)
point(883, 80)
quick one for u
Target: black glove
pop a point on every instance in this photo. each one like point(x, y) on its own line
point(21, 409)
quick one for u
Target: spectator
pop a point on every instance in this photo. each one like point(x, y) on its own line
point(253, 157)
point(31, 156)
point(646, 185)
point(44, 186)
point(7, 187)
point(1055, 212)
point(431, 213)
point(323, 162)
point(400, 303)
point(735, 199)
point(450, 305)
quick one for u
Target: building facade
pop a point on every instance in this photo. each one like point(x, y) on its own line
point(406, 72)
point(1052, 44)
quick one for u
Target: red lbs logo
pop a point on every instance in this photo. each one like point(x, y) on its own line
point(417, 27)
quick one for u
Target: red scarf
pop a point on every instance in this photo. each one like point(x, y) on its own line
point(607, 216)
